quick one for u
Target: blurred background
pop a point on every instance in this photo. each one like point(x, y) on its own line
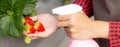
point(58, 39)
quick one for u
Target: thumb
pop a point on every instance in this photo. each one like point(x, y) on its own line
point(34, 18)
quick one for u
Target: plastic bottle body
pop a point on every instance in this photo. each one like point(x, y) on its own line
point(83, 43)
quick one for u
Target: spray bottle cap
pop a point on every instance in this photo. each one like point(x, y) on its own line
point(67, 9)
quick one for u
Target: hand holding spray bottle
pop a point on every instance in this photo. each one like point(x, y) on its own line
point(69, 9)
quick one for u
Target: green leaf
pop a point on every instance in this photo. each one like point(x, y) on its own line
point(18, 7)
point(12, 26)
point(15, 27)
point(4, 24)
point(15, 6)
point(33, 13)
point(11, 13)
point(29, 7)
point(1, 33)
point(4, 6)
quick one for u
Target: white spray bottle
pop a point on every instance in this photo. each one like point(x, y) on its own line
point(69, 9)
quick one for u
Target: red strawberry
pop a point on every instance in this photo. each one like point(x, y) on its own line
point(29, 25)
point(39, 27)
point(29, 21)
point(32, 30)
point(29, 28)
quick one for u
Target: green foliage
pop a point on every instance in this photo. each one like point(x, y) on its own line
point(1, 33)
point(66, 1)
point(11, 13)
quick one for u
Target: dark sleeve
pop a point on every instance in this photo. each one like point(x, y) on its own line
point(87, 6)
point(114, 34)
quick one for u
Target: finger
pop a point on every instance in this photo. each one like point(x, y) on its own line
point(69, 34)
point(67, 29)
point(38, 34)
point(63, 24)
point(33, 38)
point(34, 18)
point(24, 33)
point(33, 35)
point(63, 18)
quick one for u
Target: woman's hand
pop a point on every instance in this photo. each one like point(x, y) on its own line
point(49, 22)
point(79, 26)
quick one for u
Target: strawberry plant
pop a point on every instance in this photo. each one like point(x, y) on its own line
point(11, 14)
point(66, 2)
